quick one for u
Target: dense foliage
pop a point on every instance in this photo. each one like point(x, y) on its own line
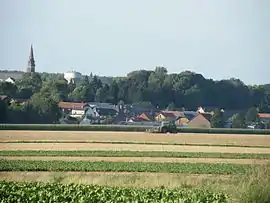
point(136, 154)
point(145, 88)
point(199, 168)
point(54, 192)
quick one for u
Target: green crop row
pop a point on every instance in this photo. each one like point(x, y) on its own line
point(128, 128)
point(197, 168)
point(136, 154)
point(54, 192)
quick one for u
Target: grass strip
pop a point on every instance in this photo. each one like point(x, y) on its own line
point(132, 142)
point(197, 168)
point(135, 154)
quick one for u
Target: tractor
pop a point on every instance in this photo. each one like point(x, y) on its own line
point(165, 127)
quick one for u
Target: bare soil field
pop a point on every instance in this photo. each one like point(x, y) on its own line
point(129, 147)
point(181, 138)
point(132, 179)
point(139, 159)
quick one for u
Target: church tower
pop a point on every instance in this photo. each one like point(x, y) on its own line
point(31, 61)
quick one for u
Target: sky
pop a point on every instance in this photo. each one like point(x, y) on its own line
point(219, 39)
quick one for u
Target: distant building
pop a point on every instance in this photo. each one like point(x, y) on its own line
point(73, 109)
point(73, 76)
point(31, 62)
point(10, 80)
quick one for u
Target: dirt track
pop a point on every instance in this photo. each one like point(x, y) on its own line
point(139, 159)
point(190, 138)
point(128, 147)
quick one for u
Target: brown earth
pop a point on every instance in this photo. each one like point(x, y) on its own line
point(182, 138)
point(129, 147)
point(139, 159)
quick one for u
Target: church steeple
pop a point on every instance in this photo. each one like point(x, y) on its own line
point(31, 61)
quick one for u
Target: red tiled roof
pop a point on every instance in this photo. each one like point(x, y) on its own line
point(72, 105)
point(175, 113)
point(264, 115)
point(168, 114)
point(138, 119)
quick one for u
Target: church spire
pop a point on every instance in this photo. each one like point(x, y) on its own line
point(31, 61)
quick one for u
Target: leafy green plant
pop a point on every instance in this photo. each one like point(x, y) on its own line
point(135, 154)
point(199, 168)
point(55, 192)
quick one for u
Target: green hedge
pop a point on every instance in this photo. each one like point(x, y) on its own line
point(74, 127)
point(225, 131)
point(129, 128)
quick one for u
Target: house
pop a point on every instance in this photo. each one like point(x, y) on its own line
point(165, 116)
point(181, 121)
point(201, 120)
point(103, 109)
point(264, 117)
point(135, 111)
point(4, 98)
point(18, 101)
point(10, 80)
point(14, 75)
point(100, 112)
point(190, 114)
point(176, 113)
point(148, 116)
point(137, 119)
point(73, 109)
point(185, 117)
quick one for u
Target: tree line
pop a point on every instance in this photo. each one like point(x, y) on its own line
point(151, 88)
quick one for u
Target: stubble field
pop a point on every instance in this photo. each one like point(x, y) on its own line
point(216, 161)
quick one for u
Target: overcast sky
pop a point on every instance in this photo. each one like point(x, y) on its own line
point(218, 38)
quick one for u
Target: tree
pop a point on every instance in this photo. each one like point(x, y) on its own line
point(238, 120)
point(8, 89)
point(101, 95)
point(46, 108)
point(29, 84)
point(252, 115)
point(113, 92)
point(171, 107)
point(4, 111)
point(144, 104)
point(265, 103)
point(217, 120)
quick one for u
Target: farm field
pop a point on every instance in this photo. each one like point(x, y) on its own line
point(130, 147)
point(218, 162)
point(139, 137)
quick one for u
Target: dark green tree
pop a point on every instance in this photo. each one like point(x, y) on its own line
point(252, 115)
point(217, 120)
point(238, 120)
point(171, 107)
point(3, 111)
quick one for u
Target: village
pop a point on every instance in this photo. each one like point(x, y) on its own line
point(106, 113)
